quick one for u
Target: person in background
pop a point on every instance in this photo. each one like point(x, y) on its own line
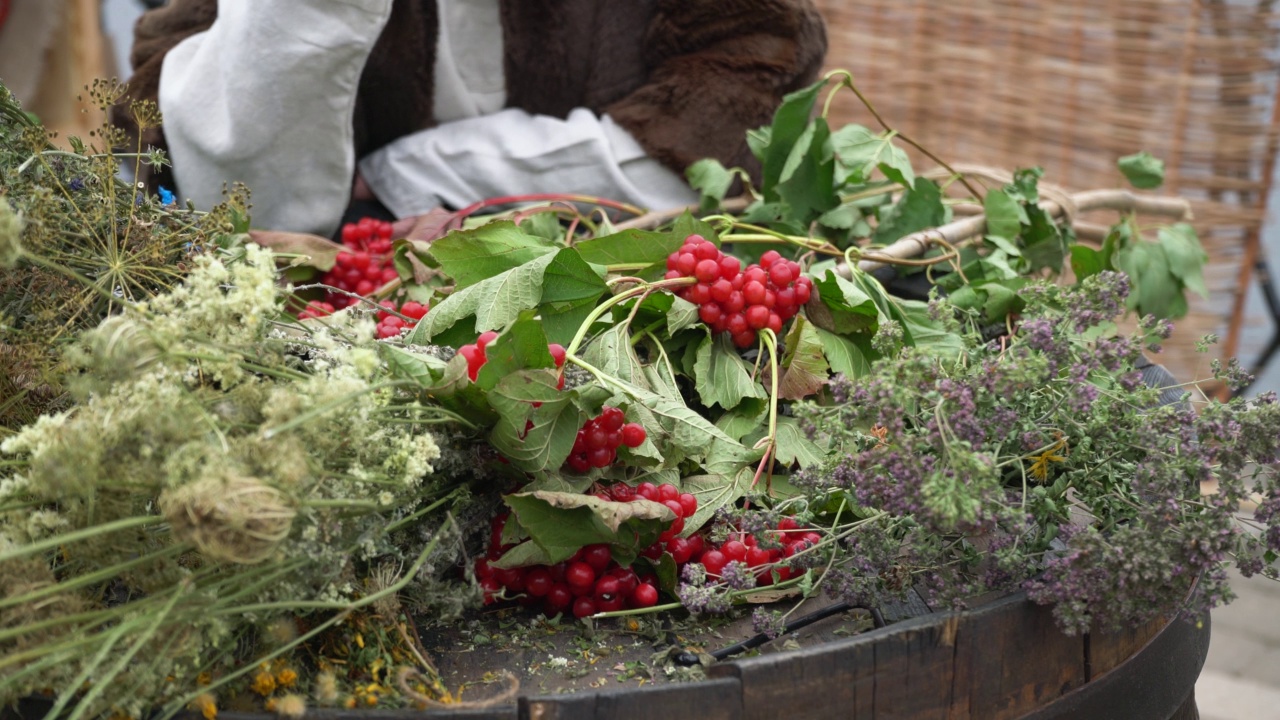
point(50, 50)
point(422, 104)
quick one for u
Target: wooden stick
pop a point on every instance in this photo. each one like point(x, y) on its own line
point(959, 231)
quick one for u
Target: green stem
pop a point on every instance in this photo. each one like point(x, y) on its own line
point(848, 81)
point(345, 609)
point(420, 513)
point(339, 503)
point(102, 683)
point(621, 297)
point(87, 672)
point(94, 577)
point(85, 534)
point(86, 282)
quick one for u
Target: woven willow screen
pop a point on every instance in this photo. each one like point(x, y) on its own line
point(1071, 87)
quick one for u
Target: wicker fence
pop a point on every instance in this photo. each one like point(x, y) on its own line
point(1073, 86)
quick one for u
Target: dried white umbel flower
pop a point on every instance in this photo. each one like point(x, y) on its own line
point(229, 517)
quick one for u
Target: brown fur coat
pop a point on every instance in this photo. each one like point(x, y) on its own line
point(687, 78)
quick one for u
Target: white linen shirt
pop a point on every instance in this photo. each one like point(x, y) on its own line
point(266, 96)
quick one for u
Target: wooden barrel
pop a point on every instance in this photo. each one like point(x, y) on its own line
point(1004, 659)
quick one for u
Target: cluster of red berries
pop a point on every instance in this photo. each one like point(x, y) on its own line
point(585, 584)
point(315, 309)
point(599, 438)
point(390, 325)
point(789, 539)
point(365, 264)
point(684, 505)
point(474, 353)
point(739, 302)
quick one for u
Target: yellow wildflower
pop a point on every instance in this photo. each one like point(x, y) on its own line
point(204, 678)
point(286, 678)
point(264, 683)
point(1040, 467)
point(205, 705)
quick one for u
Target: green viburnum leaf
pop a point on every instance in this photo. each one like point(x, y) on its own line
point(557, 482)
point(850, 355)
point(887, 305)
point(669, 476)
point(1045, 243)
point(1085, 262)
point(545, 225)
point(1025, 186)
point(849, 309)
point(451, 389)
point(687, 224)
point(683, 314)
point(722, 378)
point(1004, 246)
point(1119, 237)
point(664, 568)
point(758, 141)
point(714, 491)
point(690, 433)
point(1186, 256)
point(661, 380)
point(1156, 290)
point(727, 458)
point(523, 345)
point(920, 208)
point(790, 121)
point(570, 290)
point(630, 247)
point(645, 455)
point(1002, 299)
point(534, 438)
point(426, 370)
point(470, 256)
point(494, 302)
point(562, 523)
point(807, 179)
point(804, 367)
point(1142, 170)
point(412, 260)
point(526, 554)
point(743, 419)
point(612, 352)
point(794, 446)
point(711, 180)
point(1005, 216)
point(858, 151)
point(991, 268)
point(841, 217)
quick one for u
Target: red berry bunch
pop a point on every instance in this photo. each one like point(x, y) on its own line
point(474, 353)
point(739, 302)
point(684, 505)
point(585, 584)
point(365, 264)
point(790, 536)
point(315, 309)
point(598, 440)
point(389, 325)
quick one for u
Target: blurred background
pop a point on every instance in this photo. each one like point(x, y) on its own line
point(1069, 87)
